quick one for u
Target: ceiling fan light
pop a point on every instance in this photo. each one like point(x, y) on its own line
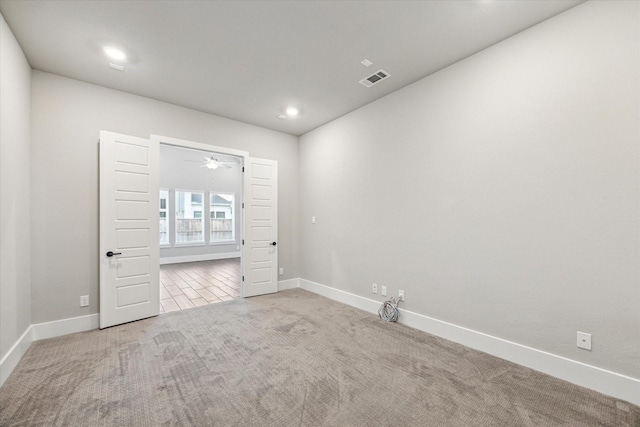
point(212, 165)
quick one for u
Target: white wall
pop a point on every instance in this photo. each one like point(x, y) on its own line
point(15, 209)
point(179, 169)
point(502, 193)
point(67, 116)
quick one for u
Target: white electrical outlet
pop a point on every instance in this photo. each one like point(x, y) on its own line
point(281, 271)
point(401, 294)
point(383, 292)
point(374, 288)
point(584, 340)
point(84, 301)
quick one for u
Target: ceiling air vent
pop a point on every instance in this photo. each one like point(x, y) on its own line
point(374, 78)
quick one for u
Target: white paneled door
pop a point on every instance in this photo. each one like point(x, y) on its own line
point(129, 245)
point(260, 250)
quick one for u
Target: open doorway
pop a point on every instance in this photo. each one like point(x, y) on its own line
point(129, 224)
point(199, 227)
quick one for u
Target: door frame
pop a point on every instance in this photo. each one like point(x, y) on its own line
point(244, 155)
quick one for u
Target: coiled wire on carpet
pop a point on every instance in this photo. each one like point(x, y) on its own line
point(389, 310)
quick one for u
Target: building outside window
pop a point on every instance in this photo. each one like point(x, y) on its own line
point(221, 217)
point(189, 222)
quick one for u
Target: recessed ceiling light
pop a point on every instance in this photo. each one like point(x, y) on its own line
point(366, 63)
point(292, 111)
point(115, 53)
point(282, 116)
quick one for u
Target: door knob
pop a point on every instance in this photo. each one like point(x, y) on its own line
point(273, 243)
point(110, 254)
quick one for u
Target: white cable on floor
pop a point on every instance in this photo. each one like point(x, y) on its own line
point(389, 310)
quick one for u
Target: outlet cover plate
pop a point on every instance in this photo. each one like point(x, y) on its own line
point(584, 340)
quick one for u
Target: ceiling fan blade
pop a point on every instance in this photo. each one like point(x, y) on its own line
point(213, 163)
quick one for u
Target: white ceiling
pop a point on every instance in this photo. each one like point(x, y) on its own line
point(248, 60)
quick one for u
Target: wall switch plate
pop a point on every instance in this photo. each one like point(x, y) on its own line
point(313, 220)
point(383, 292)
point(374, 288)
point(84, 301)
point(401, 294)
point(584, 340)
point(281, 271)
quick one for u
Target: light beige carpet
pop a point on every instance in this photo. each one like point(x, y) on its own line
point(288, 359)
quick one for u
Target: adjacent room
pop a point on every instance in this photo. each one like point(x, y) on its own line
point(199, 228)
point(204, 206)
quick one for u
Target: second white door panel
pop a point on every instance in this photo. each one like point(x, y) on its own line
point(135, 266)
point(133, 294)
point(131, 153)
point(132, 182)
point(261, 192)
point(261, 213)
point(261, 275)
point(132, 238)
point(127, 210)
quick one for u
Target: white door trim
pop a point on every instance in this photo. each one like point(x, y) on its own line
point(198, 146)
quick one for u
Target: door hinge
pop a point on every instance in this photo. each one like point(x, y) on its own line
point(243, 241)
point(243, 278)
point(242, 205)
point(243, 169)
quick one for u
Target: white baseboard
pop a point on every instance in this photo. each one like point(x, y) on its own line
point(283, 285)
point(13, 356)
point(201, 257)
point(592, 377)
point(40, 331)
point(58, 328)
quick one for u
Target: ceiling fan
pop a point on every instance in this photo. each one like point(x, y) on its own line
point(213, 163)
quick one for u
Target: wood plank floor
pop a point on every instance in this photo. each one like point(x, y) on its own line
point(192, 284)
